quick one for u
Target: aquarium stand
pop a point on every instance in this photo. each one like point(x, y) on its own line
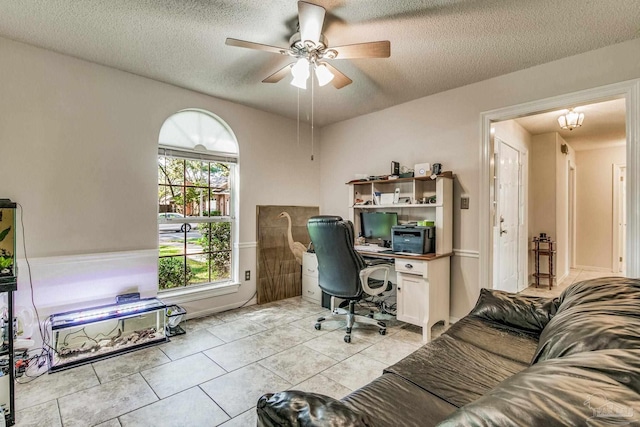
point(84, 336)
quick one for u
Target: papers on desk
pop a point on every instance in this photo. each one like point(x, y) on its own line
point(370, 248)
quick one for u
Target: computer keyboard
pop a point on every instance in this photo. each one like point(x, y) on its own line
point(370, 248)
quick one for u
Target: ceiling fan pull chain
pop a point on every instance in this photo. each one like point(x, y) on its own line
point(298, 130)
point(312, 100)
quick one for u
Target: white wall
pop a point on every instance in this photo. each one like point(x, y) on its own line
point(79, 149)
point(594, 192)
point(543, 165)
point(446, 128)
point(562, 207)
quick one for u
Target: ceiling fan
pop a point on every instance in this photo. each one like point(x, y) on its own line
point(310, 47)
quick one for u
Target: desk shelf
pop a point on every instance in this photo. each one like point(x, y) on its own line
point(440, 212)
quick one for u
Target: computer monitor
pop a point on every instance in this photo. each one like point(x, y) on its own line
point(377, 225)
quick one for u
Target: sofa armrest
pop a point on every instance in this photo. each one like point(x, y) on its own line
point(298, 408)
point(526, 313)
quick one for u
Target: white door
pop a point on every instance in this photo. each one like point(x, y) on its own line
point(622, 228)
point(508, 187)
point(619, 260)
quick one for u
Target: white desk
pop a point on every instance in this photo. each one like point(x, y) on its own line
point(422, 287)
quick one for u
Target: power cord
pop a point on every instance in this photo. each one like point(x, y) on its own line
point(44, 354)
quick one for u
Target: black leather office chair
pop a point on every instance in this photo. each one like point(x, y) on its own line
point(343, 273)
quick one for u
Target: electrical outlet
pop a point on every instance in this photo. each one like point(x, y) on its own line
point(464, 203)
point(247, 275)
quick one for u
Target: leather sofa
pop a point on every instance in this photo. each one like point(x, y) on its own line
point(513, 361)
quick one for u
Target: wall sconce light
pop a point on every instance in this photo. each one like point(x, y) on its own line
point(564, 149)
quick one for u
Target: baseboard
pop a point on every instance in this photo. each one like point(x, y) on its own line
point(214, 310)
point(591, 268)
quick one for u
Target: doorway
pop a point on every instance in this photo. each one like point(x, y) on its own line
point(630, 92)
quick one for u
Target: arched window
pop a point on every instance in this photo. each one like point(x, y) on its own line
point(197, 168)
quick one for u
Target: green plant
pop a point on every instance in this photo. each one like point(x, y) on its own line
point(4, 233)
point(6, 259)
point(216, 242)
point(172, 272)
point(5, 262)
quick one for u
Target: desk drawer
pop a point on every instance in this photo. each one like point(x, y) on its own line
point(310, 264)
point(310, 288)
point(411, 266)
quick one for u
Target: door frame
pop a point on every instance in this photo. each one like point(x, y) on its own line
point(571, 192)
point(630, 92)
point(615, 253)
point(523, 212)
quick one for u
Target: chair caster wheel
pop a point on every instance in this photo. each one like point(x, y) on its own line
point(383, 332)
point(347, 338)
point(318, 326)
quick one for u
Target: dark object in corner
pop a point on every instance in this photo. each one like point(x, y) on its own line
point(175, 314)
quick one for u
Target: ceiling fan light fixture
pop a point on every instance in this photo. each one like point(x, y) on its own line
point(300, 73)
point(323, 74)
point(571, 120)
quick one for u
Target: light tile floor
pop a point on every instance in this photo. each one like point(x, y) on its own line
point(575, 275)
point(214, 374)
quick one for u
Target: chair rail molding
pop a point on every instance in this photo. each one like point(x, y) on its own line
point(466, 253)
point(628, 90)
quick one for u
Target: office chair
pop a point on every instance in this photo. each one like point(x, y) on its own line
point(342, 272)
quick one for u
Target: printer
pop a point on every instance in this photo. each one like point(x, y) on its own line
point(413, 239)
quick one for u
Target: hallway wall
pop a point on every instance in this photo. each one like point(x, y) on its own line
point(594, 205)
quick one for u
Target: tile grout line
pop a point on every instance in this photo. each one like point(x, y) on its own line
point(216, 403)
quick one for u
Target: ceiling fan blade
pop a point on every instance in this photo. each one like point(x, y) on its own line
point(311, 20)
point(256, 46)
point(339, 80)
point(381, 49)
point(279, 75)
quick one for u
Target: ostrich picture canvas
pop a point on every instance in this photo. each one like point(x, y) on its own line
point(282, 239)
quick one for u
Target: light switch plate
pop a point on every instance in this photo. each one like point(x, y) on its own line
point(464, 203)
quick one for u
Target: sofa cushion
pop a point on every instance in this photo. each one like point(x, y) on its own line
point(527, 313)
point(599, 388)
point(592, 315)
point(389, 398)
point(496, 338)
point(298, 408)
point(455, 370)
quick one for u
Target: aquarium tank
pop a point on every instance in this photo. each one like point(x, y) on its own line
point(7, 241)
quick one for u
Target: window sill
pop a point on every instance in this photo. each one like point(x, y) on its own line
point(183, 295)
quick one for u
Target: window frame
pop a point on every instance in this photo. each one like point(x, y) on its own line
point(189, 292)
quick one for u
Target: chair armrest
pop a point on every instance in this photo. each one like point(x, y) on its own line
point(364, 279)
point(301, 409)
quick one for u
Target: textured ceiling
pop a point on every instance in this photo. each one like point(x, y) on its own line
point(435, 44)
point(603, 126)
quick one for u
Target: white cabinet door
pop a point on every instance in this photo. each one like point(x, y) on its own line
point(411, 299)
